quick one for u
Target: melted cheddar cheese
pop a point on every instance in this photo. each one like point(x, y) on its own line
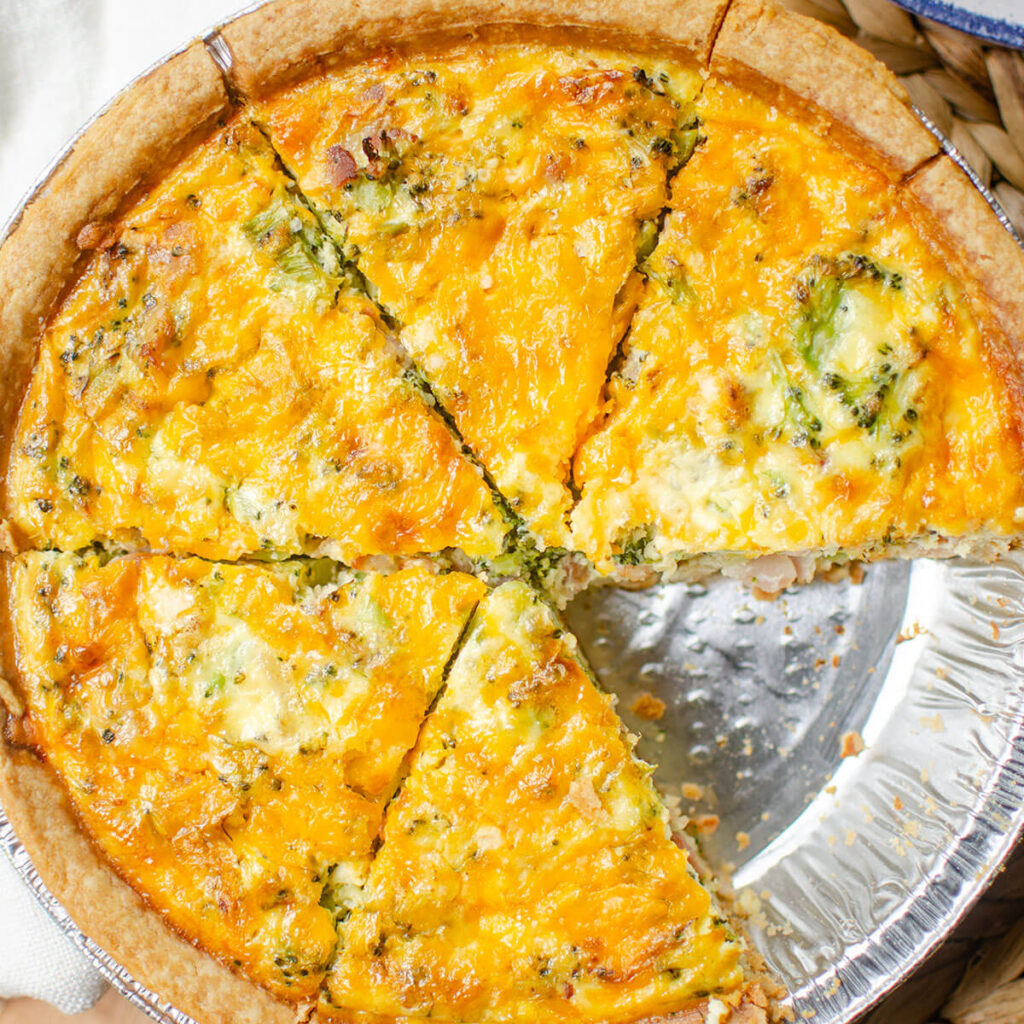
point(203, 390)
point(495, 198)
point(527, 870)
point(229, 735)
point(801, 373)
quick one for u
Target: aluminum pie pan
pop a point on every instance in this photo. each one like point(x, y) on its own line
point(853, 870)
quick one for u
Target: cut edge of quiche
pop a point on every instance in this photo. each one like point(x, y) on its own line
point(525, 797)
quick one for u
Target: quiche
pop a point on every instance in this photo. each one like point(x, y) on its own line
point(230, 734)
point(213, 385)
point(809, 385)
point(347, 346)
point(523, 797)
point(540, 173)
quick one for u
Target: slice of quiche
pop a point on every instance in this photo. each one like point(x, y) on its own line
point(229, 735)
point(528, 870)
point(803, 380)
point(495, 196)
point(213, 385)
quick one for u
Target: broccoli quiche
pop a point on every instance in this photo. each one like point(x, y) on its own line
point(523, 797)
point(214, 385)
point(341, 350)
point(230, 734)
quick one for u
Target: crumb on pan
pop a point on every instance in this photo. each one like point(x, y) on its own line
point(705, 823)
point(648, 707)
point(851, 744)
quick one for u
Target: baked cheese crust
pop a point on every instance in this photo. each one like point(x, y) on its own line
point(230, 734)
point(802, 374)
point(495, 196)
point(214, 386)
point(527, 844)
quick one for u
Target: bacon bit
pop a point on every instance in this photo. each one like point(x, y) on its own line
point(96, 235)
point(742, 840)
point(457, 104)
point(555, 166)
point(376, 92)
point(341, 166)
point(692, 791)
point(648, 707)
point(835, 661)
point(706, 823)
point(588, 88)
point(851, 744)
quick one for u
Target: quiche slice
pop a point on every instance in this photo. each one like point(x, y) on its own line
point(528, 870)
point(804, 382)
point(214, 385)
point(495, 195)
point(229, 735)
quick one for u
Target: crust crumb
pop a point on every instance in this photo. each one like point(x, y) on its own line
point(96, 235)
point(742, 840)
point(691, 791)
point(648, 707)
point(851, 744)
point(706, 823)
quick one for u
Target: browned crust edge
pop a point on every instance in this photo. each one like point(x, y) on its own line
point(141, 133)
point(801, 63)
point(284, 39)
point(982, 254)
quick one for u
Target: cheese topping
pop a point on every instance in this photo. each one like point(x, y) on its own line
point(494, 197)
point(801, 372)
point(527, 871)
point(203, 391)
point(229, 735)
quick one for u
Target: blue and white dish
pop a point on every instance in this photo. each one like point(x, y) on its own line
point(1000, 21)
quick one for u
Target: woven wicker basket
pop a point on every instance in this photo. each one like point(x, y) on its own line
point(974, 93)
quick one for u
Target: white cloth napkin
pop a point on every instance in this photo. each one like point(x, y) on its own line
point(61, 60)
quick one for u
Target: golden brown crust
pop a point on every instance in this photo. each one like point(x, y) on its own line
point(284, 39)
point(141, 133)
point(802, 63)
point(982, 254)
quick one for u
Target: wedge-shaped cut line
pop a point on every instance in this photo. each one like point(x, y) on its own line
point(212, 386)
point(802, 376)
point(230, 734)
point(495, 197)
point(527, 870)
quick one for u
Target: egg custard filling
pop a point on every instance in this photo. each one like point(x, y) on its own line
point(401, 355)
point(539, 173)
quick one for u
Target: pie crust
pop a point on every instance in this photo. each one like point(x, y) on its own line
point(801, 64)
